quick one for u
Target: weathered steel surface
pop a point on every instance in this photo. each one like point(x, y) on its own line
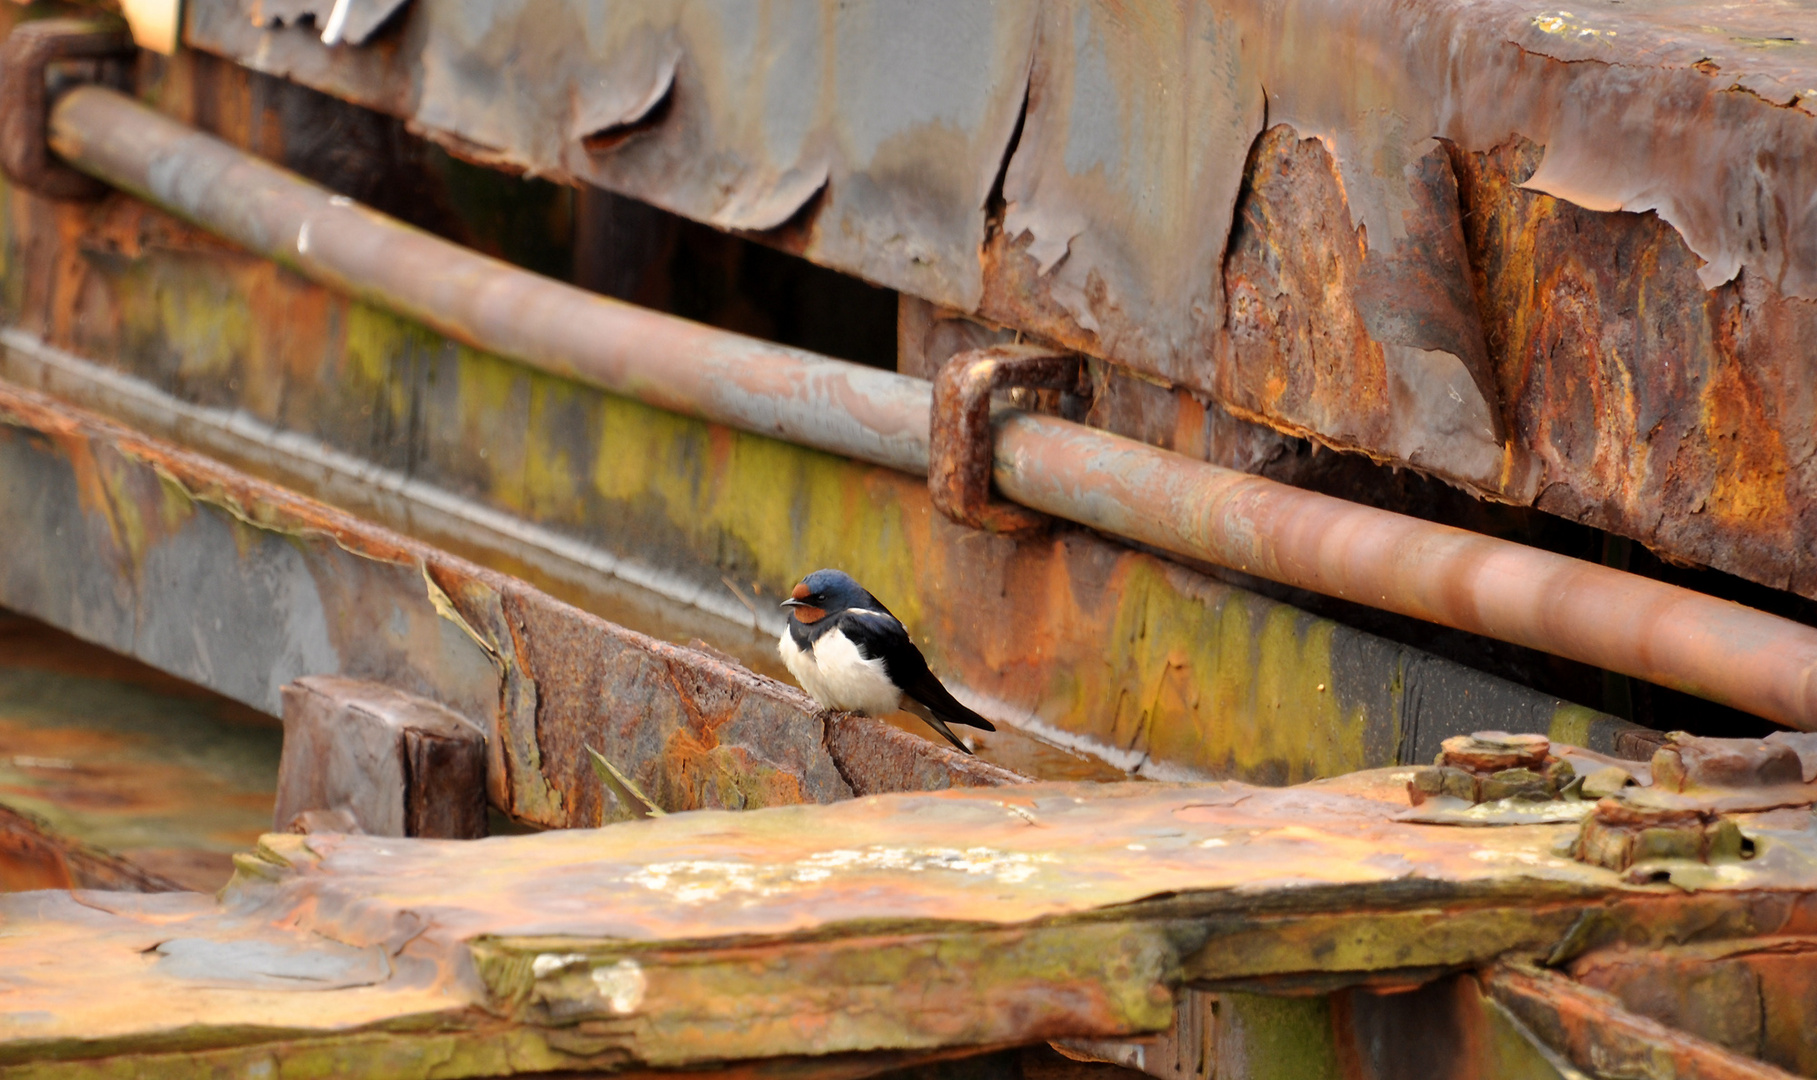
point(1579, 610)
point(1154, 665)
point(243, 587)
point(1601, 1037)
point(1615, 334)
point(921, 921)
point(1753, 997)
point(1308, 356)
point(392, 763)
point(1682, 424)
point(855, 128)
point(358, 19)
point(1147, 661)
point(1448, 1029)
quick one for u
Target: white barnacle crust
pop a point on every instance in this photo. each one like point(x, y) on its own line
point(547, 964)
point(622, 986)
point(698, 881)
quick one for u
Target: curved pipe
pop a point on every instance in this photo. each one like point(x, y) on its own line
point(1713, 648)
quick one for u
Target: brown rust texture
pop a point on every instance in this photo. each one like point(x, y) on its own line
point(1657, 409)
point(1755, 997)
point(1243, 686)
point(961, 440)
point(1594, 1032)
point(243, 586)
point(1614, 333)
point(32, 856)
point(1050, 911)
point(1301, 356)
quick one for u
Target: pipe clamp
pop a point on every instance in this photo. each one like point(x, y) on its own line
point(25, 99)
point(961, 443)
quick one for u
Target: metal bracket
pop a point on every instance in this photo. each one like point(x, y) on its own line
point(961, 442)
point(25, 99)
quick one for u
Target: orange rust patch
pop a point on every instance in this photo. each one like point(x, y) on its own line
point(799, 592)
point(809, 615)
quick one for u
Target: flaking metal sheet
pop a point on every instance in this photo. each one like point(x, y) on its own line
point(1115, 231)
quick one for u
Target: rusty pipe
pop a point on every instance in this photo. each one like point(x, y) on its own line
point(1713, 648)
point(634, 352)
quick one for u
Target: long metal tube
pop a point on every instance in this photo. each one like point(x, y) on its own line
point(1719, 650)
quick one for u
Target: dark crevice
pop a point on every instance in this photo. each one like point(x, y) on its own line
point(613, 136)
point(994, 206)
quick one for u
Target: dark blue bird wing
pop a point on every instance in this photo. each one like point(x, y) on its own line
point(879, 636)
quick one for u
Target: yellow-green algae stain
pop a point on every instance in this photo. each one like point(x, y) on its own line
point(1221, 682)
point(216, 331)
point(1275, 1038)
point(372, 341)
point(1231, 683)
point(789, 509)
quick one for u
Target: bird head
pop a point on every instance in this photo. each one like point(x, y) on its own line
point(823, 593)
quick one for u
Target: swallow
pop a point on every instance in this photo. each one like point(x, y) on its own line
point(850, 654)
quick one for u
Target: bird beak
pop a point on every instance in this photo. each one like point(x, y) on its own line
point(792, 602)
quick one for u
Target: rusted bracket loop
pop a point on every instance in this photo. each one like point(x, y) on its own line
point(25, 99)
point(961, 442)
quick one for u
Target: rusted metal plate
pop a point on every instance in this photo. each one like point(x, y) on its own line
point(1579, 610)
point(243, 587)
point(1752, 997)
point(557, 476)
point(702, 938)
point(1448, 1029)
point(1592, 330)
point(1117, 197)
point(874, 132)
point(1070, 658)
point(33, 856)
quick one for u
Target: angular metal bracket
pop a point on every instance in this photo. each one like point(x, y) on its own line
point(25, 100)
point(362, 757)
point(961, 444)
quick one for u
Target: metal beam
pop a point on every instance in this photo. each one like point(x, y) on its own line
point(242, 586)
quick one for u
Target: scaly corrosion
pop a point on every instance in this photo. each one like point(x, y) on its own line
point(1745, 658)
point(1612, 329)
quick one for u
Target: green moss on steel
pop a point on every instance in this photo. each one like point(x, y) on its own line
point(215, 331)
point(375, 346)
point(1228, 683)
point(1276, 1038)
point(782, 510)
point(827, 996)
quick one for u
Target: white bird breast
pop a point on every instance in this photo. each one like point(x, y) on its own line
point(837, 675)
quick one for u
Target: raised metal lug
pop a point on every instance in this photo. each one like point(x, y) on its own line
point(961, 441)
point(26, 96)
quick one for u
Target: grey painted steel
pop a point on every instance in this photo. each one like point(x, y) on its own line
point(1587, 612)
